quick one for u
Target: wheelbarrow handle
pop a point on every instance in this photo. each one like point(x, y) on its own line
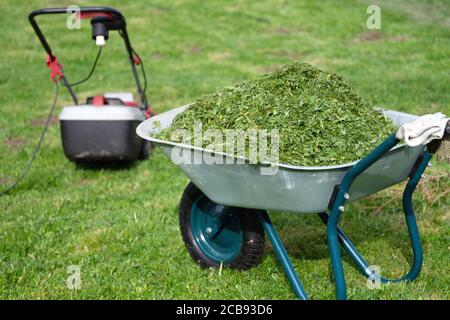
point(434, 145)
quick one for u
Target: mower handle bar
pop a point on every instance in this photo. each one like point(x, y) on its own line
point(117, 19)
point(113, 13)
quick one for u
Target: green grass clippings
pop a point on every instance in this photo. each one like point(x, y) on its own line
point(320, 118)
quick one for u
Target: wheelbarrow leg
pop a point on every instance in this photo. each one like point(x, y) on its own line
point(282, 255)
point(337, 207)
point(412, 231)
point(411, 221)
point(349, 247)
point(335, 255)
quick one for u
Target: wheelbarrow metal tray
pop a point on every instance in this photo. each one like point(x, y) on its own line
point(291, 188)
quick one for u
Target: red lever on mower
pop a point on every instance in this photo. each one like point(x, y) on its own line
point(56, 72)
point(89, 15)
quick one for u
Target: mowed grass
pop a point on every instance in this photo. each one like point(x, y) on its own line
point(120, 224)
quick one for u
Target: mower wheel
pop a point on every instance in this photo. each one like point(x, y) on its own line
point(145, 151)
point(215, 234)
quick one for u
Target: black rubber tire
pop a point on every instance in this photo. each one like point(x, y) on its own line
point(146, 148)
point(253, 232)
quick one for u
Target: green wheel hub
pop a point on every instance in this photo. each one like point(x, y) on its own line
point(216, 229)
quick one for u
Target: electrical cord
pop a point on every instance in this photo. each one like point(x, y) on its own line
point(142, 68)
point(36, 149)
point(144, 76)
point(90, 72)
point(143, 71)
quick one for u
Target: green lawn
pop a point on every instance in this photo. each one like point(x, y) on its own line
point(120, 224)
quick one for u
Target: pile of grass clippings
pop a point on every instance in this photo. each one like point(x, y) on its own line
point(320, 118)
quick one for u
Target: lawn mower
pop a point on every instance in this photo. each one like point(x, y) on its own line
point(102, 129)
point(223, 210)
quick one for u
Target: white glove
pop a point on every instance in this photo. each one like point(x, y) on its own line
point(423, 129)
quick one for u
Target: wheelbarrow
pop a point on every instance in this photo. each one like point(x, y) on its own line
point(223, 210)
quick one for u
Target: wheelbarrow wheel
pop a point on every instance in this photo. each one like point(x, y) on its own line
point(215, 234)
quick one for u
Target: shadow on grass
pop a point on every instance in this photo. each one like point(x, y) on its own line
point(305, 239)
point(110, 166)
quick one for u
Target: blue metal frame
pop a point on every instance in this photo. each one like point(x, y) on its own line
point(216, 230)
point(282, 255)
point(336, 235)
